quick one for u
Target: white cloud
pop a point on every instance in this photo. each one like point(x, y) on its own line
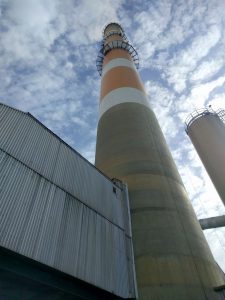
point(152, 22)
point(218, 101)
point(87, 19)
point(89, 152)
point(47, 67)
point(200, 97)
point(185, 14)
point(30, 29)
point(151, 25)
point(207, 69)
point(78, 121)
point(161, 100)
point(33, 15)
point(216, 239)
point(200, 93)
point(188, 58)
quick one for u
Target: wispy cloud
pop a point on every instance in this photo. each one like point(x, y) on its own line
point(188, 58)
point(47, 67)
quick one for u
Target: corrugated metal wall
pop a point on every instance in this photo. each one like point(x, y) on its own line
point(58, 209)
point(31, 143)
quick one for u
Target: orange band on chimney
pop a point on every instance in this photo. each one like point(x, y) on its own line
point(120, 77)
point(116, 53)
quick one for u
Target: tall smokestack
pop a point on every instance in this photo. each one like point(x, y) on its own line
point(172, 258)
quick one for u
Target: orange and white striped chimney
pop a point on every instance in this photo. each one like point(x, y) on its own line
point(120, 65)
point(172, 258)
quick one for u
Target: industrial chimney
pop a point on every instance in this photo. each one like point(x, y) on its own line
point(206, 130)
point(172, 258)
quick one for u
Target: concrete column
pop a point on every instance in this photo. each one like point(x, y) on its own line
point(172, 258)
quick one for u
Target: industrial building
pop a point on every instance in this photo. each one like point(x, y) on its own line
point(123, 229)
point(60, 219)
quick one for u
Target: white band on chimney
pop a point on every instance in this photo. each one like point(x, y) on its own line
point(118, 62)
point(122, 95)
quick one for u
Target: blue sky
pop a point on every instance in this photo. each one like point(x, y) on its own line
point(47, 67)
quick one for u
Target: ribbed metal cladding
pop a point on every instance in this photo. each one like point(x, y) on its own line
point(34, 145)
point(58, 209)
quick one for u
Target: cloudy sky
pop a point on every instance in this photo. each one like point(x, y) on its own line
point(47, 67)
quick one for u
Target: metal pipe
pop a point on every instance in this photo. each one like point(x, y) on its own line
point(213, 222)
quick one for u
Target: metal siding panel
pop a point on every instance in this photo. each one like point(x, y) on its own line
point(13, 202)
point(28, 240)
point(29, 147)
point(71, 174)
point(82, 247)
point(8, 124)
point(19, 134)
point(20, 207)
point(30, 142)
point(58, 262)
point(40, 220)
point(41, 150)
point(33, 230)
point(51, 157)
point(131, 267)
point(90, 243)
point(125, 210)
point(72, 230)
point(60, 168)
point(44, 249)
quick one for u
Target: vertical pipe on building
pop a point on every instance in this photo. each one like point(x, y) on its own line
point(206, 129)
point(172, 258)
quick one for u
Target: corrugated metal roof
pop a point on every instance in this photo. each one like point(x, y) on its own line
point(59, 210)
